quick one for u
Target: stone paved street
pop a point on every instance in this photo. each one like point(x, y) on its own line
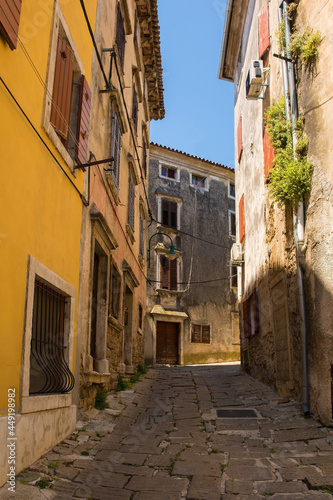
point(164, 440)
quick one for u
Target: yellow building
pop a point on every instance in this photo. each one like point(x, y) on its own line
point(46, 55)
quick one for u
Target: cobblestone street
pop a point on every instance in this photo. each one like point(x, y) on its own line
point(167, 440)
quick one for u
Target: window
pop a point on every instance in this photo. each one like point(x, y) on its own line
point(115, 147)
point(232, 190)
point(135, 109)
point(241, 219)
point(168, 172)
point(169, 213)
point(239, 139)
point(232, 223)
point(198, 181)
point(140, 317)
point(120, 36)
point(142, 234)
point(200, 334)
point(115, 291)
point(144, 157)
point(251, 315)
point(169, 273)
point(49, 370)
point(68, 97)
point(233, 277)
point(131, 202)
point(10, 12)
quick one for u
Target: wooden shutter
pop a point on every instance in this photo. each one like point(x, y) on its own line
point(268, 154)
point(62, 89)
point(173, 274)
point(120, 36)
point(115, 147)
point(135, 109)
point(239, 138)
point(263, 24)
point(131, 201)
point(196, 333)
point(241, 219)
point(205, 334)
point(10, 12)
point(83, 122)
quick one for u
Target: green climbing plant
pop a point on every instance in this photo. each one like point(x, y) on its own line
point(290, 179)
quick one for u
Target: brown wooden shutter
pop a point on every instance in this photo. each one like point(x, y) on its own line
point(10, 12)
point(205, 334)
point(196, 333)
point(173, 274)
point(268, 154)
point(241, 219)
point(131, 201)
point(239, 138)
point(121, 36)
point(263, 22)
point(83, 122)
point(62, 89)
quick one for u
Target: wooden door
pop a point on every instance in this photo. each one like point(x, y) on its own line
point(167, 342)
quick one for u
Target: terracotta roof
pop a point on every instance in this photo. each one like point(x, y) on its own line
point(192, 156)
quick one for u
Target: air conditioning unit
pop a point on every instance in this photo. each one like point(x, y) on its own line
point(255, 79)
point(236, 255)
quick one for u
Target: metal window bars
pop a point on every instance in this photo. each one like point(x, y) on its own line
point(49, 370)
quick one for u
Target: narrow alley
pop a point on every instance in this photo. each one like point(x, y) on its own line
point(206, 432)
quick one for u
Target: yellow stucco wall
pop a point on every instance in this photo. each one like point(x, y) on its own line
point(40, 209)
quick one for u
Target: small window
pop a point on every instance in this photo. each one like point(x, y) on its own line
point(144, 157)
point(135, 109)
point(142, 235)
point(232, 190)
point(168, 172)
point(169, 273)
point(200, 334)
point(121, 36)
point(115, 289)
point(233, 277)
point(169, 213)
point(131, 202)
point(232, 224)
point(198, 181)
point(115, 147)
point(140, 317)
point(251, 315)
point(49, 370)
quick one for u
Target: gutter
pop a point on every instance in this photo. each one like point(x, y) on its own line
point(226, 28)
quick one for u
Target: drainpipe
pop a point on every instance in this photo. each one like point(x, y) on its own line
point(289, 85)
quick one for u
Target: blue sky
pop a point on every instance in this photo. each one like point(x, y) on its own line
point(199, 106)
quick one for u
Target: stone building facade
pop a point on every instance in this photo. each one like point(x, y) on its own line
point(192, 310)
point(285, 273)
point(127, 93)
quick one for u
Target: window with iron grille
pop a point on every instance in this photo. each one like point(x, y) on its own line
point(120, 36)
point(135, 109)
point(9, 21)
point(49, 370)
point(168, 273)
point(115, 147)
point(131, 202)
point(115, 293)
point(169, 213)
point(71, 100)
point(200, 334)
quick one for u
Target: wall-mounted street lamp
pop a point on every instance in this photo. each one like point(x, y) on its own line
point(170, 255)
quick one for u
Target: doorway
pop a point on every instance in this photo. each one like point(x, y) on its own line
point(167, 342)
